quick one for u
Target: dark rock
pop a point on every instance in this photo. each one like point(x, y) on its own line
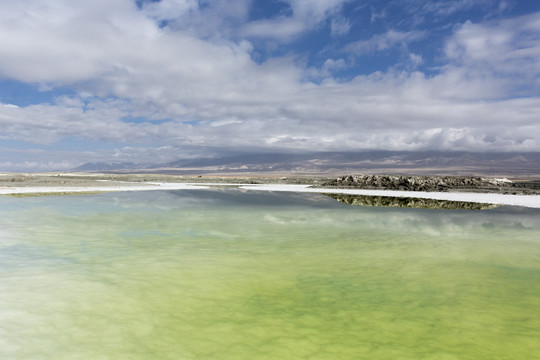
point(419, 183)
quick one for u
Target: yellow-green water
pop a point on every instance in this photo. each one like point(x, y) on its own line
point(214, 274)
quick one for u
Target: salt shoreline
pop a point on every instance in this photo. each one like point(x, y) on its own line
point(531, 201)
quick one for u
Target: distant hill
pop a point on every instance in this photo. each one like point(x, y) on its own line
point(107, 166)
point(390, 162)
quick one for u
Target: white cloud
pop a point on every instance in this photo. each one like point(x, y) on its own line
point(68, 41)
point(340, 26)
point(503, 48)
point(446, 8)
point(281, 28)
point(202, 92)
point(331, 65)
point(416, 59)
point(375, 15)
point(425, 10)
point(212, 19)
point(385, 111)
point(33, 166)
point(306, 15)
point(315, 11)
point(46, 123)
point(501, 57)
point(384, 42)
point(169, 9)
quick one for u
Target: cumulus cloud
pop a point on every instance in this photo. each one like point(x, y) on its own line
point(507, 50)
point(397, 111)
point(67, 41)
point(47, 123)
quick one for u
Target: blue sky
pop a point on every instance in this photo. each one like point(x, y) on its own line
point(155, 81)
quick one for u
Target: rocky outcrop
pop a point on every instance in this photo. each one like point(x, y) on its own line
point(420, 183)
point(387, 201)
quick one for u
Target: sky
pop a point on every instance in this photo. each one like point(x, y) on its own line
point(156, 81)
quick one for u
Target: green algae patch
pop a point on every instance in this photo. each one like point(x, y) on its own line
point(227, 275)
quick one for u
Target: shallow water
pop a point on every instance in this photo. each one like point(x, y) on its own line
point(215, 274)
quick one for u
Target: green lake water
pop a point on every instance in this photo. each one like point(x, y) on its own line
point(226, 274)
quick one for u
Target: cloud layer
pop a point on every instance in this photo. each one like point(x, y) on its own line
point(155, 75)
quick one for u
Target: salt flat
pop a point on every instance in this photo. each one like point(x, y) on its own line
point(532, 201)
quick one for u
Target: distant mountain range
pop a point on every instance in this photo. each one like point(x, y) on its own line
point(391, 162)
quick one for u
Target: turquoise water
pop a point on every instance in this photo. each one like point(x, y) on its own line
point(215, 274)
